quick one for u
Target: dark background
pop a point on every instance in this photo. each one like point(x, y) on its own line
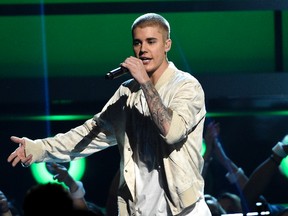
point(54, 56)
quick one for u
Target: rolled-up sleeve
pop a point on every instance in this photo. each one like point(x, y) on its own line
point(188, 106)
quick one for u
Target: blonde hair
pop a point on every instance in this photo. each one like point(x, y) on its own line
point(152, 19)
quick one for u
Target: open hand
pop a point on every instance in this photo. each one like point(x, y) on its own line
point(19, 154)
point(59, 171)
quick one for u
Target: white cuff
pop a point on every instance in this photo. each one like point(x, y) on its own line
point(278, 150)
point(285, 140)
point(80, 192)
point(234, 177)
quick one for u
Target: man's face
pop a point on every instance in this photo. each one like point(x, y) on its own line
point(150, 45)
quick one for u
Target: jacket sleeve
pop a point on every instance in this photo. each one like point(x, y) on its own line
point(78, 142)
point(188, 106)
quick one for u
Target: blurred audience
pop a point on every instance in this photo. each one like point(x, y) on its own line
point(214, 206)
point(47, 199)
point(230, 202)
point(63, 198)
point(76, 188)
point(250, 189)
point(51, 199)
point(55, 199)
point(7, 208)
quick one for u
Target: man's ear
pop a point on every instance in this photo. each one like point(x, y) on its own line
point(168, 44)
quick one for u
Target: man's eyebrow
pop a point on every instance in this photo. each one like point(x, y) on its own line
point(151, 38)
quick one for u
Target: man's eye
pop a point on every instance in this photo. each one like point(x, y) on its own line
point(136, 43)
point(151, 41)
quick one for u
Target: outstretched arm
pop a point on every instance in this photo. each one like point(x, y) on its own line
point(214, 148)
point(263, 174)
point(253, 187)
point(234, 173)
point(210, 134)
point(75, 187)
point(63, 147)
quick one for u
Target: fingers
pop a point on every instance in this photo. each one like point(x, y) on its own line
point(60, 177)
point(15, 161)
point(19, 154)
point(56, 177)
point(51, 168)
point(27, 160)
point(54, 166)
point(58, 171)
point(12, 156)
point(17, 139)
point(26, 163)
point(59, 168)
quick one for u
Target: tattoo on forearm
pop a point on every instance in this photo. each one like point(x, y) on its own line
point(161, 115)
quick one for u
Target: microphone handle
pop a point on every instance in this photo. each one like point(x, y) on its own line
point(113, 74)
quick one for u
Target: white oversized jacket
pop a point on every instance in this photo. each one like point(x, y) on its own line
point(125, 121)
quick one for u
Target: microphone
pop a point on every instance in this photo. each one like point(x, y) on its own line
point(113, 74)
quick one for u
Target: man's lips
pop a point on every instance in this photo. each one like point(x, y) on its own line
point(145, 60)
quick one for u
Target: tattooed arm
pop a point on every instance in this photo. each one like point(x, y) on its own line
point(161, 115)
